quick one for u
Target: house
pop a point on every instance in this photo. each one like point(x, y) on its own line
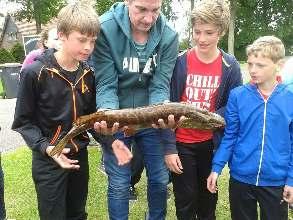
point(12, 31)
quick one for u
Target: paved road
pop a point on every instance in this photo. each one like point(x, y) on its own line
point(9, 140)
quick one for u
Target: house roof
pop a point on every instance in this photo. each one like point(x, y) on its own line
point(24, 27)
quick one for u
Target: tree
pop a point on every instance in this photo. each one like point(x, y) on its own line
point(104, 5)
point(39, 10)
point(167, 10)
point(255, 18)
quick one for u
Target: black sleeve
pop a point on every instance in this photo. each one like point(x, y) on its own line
point(25, 112)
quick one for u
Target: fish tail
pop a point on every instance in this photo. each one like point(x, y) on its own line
point(59, 147)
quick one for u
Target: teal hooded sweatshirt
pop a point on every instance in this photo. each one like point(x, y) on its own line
point(120, 81)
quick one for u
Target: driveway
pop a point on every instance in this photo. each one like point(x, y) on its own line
point(9, 140)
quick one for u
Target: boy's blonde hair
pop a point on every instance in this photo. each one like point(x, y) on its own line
point(215, 12)
point(267, 46)
point(78, 17)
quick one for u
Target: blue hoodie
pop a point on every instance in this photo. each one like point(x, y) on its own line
point(258, 141)
point(119, 81)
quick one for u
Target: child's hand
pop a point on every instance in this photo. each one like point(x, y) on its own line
point(288, 194)
point(173, 162)
point(63, 160)
point(121, 152)
point(212, 182)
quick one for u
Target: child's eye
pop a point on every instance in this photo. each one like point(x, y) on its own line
point(260, 65)
point(82, 40)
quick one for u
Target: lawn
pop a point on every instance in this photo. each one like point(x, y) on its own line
point(20, 196)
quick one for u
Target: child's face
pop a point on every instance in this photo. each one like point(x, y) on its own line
point(78, 46)
point(206, 37)
point(261, 69)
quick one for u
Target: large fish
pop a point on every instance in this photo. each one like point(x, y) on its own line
point(144, 117)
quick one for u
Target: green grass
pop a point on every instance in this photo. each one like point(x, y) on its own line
point(20, 197)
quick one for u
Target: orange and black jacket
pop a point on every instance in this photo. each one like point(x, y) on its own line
point(48, 102)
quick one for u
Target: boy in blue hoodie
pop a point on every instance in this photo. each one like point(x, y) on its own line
point(258, 141)
point(134, 58)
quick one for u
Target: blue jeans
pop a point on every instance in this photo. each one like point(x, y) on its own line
point(119, 176)
point(2, 206)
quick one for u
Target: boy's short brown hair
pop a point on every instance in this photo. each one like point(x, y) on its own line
point(78, 17)
point(215, 12)
point(267, 46)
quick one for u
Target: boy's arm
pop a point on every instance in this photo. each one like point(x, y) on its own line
point(24, 116)
point(159, 87)
point(106, 78)
point(225, 150)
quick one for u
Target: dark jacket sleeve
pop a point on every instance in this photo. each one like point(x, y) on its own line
point(230, 83)
point(25, 112)
point(168, 139)
point(178, 79)
point(176, 89)
point(232, 80)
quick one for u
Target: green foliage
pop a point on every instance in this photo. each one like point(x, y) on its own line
point(262, 17)
point(104, 5)
point(167, 9)
point(17, 52)
point(6, 56)
point(40, 10)
point(184, 44)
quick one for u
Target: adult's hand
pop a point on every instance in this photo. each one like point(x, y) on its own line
point(102, 128)
point(62, 160)
point(173, 162)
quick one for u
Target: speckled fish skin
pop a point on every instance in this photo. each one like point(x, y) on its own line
point(144, 117)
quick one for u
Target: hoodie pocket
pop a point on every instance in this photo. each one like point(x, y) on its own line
point(56, 135)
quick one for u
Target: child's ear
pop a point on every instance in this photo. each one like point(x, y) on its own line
point(280, 65)
point(61, 36)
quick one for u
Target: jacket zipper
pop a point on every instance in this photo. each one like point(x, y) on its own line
point(263, 131)
point(73, 97)
point(262, 142)
point(56, 135)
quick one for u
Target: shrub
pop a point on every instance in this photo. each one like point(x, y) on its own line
point(17, 52)
point(6, 56)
